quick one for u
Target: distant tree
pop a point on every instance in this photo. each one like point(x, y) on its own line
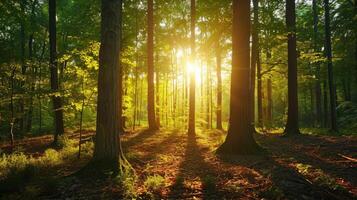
point(292, 125)
point(240, 138)
point(318, 104)
point(192, 98)
point(151, 86)
point(219, 87)
point(328, 52)
point(56, 99)
point(107, 148)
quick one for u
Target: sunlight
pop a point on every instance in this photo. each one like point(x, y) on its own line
point(192, 67)
point(179, 53)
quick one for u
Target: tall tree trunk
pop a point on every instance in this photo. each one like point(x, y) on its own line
point(136, 71)
point(240, 138)
point(318, 103)
point(328, 52)
point(81, 120)
point(192, 99)
point(30, 111)
point(259, 92)
point(269, 103)
point(107, 147)
point(157, 92)
point(292, 125)
point(34, 70)
point(219, 87)
point(23, 67)
point(12, 118)
point(254, 58)
point(39, 97)
point(207, 94)
point(326, 113)
point(151, 86)
point(57, 101)
point(355, 28)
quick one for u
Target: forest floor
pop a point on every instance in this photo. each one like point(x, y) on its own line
point(170, 165)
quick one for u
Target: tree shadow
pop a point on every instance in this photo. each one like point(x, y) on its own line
point(322, 149)
point(194, 168)
point(139, 137)
point(285, 180)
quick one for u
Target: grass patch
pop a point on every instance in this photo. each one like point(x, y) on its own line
point(154, 183)
point(319, 177)
point(127, 181)
point(17, 169)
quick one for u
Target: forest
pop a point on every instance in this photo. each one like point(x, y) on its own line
point(178, 99)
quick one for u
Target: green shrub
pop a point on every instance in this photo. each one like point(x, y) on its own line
point(154, 182)
point(127, 182)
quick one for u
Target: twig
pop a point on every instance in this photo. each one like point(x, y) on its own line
point(348, 158)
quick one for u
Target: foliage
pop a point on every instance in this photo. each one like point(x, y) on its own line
point(154, 182)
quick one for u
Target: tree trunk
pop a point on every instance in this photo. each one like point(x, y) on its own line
point(136, 71)
point(107, 147)
point(355, 28)
point(219, 87)
point(240, 138)
point(326, 113)
point(328, 52)
point(157, 92)
point(254, 58)
point(259, 92)
point(12, 118)
point(292, 125)
point(56, 99)
point(81, 121)
point(151, 86)
point(269, 103)
point(318, 112)
point(39, 87)
point(23, 67)
point(192, 98)
point(30, 111)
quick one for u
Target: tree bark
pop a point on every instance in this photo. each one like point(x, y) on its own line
point(30, 111)
point(219, 87)
point(56, 99)
point(151, 86)
point(240, 138)
point(292, 125)
point(328, 52)
point(192, 98)
point(269, 103)
point(259, 92)
point(318, 112)
point(23, 67)
point(254, 58)
point(107, 147)
point(157, 93)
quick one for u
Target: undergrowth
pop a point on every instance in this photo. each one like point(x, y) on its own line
point(18, 168)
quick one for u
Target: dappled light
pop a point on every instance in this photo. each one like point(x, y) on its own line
point(193, 99)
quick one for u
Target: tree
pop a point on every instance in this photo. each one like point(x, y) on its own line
point(318, 81)
point(240, 138)
point(56, 99)
point(107, 147)
point(254, 57)
point(151, 86)
point(328, 53)
point(219, 87)
point(192, 98)
point(292, 125)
